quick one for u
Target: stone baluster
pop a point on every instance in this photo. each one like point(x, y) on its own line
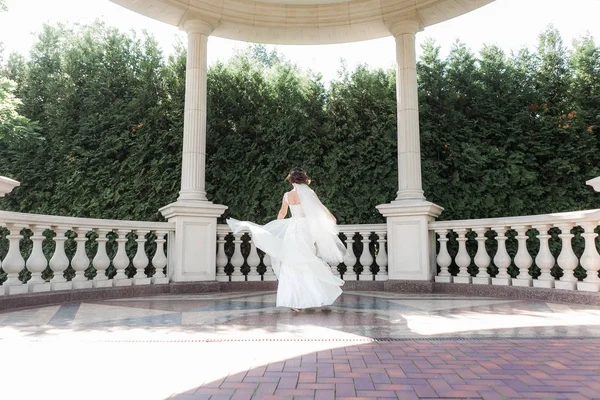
point(523, 259)
point(544, 259)
point(349, 258)
point(253, 262)
point(482, 258)
point(37, 262)
point(590, 260)
point(381, 258)
point(366, 259)
point(443, 258)
point(269, 274)
point(159, 261)
point(462, 259)
point(567, 260)
point(14, 263)
point(59, 261)
point(237, 259)
point(502, 258)
point(80, 261)
point(140, 260)
point(101, 261)
point(221, 257)
point(121, 261)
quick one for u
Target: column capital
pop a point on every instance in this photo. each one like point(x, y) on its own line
point(406, 26)
point(197, 25)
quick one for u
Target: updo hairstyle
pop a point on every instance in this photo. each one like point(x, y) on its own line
point(298, 175)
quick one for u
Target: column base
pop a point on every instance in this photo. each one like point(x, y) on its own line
point(39, 287)
point(121, 282)
point(543, 284)
point(444, 278)
point(160, 280)
point(350, 277)
point(271, 277)
point(254, 278)
point(381, 277)
point(238, 278)
point(501, 281)
point(61, 285)
point(141, 281)
point(522, 282)
point(16, 289)
point(82, 284)
point(104, 283)
point(565, 285)
point(193, 247)
point(409, 239)
point(2, 290)
point(482, 281)
point(223, 278)
point(588, 286)
point(462, 279)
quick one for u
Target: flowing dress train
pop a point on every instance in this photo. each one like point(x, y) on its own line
point(305, 280)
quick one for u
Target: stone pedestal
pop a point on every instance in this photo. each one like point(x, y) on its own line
point(501, 281)
point(193, 249)
point(482, 281)
point(410, 244)
point(462, 279)
point(523, 282)
point(588, 286)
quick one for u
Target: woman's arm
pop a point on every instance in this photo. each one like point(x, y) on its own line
point(283, 210)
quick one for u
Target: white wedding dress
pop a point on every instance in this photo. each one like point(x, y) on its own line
point(297, 246)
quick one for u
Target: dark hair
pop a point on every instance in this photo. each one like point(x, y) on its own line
point(297, 175)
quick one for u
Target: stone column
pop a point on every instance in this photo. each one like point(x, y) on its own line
point(193, 246)
point(411, 245)
point(194, 123)
point(409, 149)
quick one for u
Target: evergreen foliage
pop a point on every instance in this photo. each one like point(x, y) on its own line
point(501, 134)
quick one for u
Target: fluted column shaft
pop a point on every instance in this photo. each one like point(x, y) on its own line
point(409, 150)
point(194, 123)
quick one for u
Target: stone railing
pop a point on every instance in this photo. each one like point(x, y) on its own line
point(239, 260)
point(41, 253)
point(547, 251)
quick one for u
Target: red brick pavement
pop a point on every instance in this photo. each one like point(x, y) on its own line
point(449, 369)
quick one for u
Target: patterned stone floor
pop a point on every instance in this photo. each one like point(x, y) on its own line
point(240, 346)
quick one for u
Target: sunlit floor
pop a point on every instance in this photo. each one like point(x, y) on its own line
point(239, 345)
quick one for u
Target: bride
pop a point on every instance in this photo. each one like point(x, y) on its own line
point(300, 247)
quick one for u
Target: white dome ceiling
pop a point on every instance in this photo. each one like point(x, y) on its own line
point(302, 21)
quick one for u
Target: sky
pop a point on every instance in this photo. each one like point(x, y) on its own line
point(510, 24)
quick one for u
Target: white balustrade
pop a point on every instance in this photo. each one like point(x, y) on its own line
point(101, 261)
point(237, 259)
point(502, 258)
point(462, 259)
point(350, 258)
point(482, 259)
point(159, 261)
point(221, 260)
point(544, 259)
point(253, 262)
point(567, 260)
point(59, 261)
point(37, 262)
point(14, 263)
point(443, 258)
point(80, 261)
point(523, 259)
point(366, 258)
point(140, 260)
point(269, 274)
point(121, 260)
point(381, 260)
point(590, 260)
